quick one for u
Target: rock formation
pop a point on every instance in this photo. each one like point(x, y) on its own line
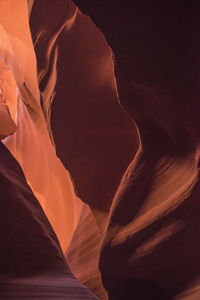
point(108, 99)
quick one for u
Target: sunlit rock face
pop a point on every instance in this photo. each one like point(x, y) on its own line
point(104, 97)
point(32, 264)
point(86, 116)
point(84, 250)
point(94, 138)
point(31, 144)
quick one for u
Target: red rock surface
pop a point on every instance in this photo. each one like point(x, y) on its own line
point(118, 98)
point(32, 264)
point(153, 226)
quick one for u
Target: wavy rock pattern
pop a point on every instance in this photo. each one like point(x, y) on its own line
point(94, 138)
point(134, 164)
point(153, 227)
point(32, 264)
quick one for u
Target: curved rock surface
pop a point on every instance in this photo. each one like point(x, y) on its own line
point(153, 227)
point(116, 99)
point(32, 264)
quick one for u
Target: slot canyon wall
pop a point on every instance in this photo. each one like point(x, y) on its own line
point(100, 179)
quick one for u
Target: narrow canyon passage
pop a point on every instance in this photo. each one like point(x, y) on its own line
point(100, 171)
